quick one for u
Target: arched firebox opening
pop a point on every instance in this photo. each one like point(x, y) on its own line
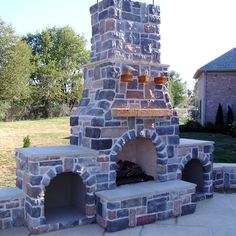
point(65, 198)
point(193, 172)
point(137, 162)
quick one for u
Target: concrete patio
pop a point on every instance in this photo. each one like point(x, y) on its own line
point(213, 217)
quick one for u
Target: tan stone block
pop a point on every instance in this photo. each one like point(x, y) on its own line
point(103, 159)
point(113, 132)
point(132, 217)
point(110, 25)
point(101, 221)
point(112, 215)
point(177, 208)
point(90, 210)
point(149, 90)
point(149, 123)
point(105, 167)
point(141, 211)
point(134, 94)
point(123, 87)
point(183, 151)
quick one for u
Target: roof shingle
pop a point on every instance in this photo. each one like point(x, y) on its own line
point(225, 62)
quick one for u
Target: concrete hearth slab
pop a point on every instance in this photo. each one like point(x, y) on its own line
point(213, 217)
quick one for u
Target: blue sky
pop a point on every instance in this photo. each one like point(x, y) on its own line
point(193, 32)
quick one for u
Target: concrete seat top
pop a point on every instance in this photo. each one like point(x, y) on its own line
point(10, 194)
point(144, 189)
point(66, 150)
point(190, 142)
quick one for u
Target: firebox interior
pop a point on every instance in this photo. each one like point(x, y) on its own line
point(142, 152)
point(65, 198)
point(193, 172)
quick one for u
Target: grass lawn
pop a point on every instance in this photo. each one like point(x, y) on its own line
point(41, 132)
point(225, 146)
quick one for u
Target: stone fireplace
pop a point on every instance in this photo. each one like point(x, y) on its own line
point(116, 120)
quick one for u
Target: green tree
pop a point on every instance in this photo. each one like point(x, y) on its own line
point(219, 122)
point(177, 89)
point(15, 68)
point(58, 56)
point(230, 117)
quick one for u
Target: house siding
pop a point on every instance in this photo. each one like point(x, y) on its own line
point(220, 88)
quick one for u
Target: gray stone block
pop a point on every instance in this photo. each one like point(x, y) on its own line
point(113, 205)
point(92, 132)
point(116, 225)
point(122, 213)
point(156, 205)
point(17, 217)
point(50, 163)
point(35, 180)
point(101, 144)
point(188, 209)
point(4, 214)
point(131, 203)
point(102, 178)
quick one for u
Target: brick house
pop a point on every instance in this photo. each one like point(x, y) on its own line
point(216, 83)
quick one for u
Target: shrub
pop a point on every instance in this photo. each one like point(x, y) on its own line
point(26, 142)
point(219, 122)
point(191, 126)
point(209, 127)
point(232, 130)
point(230, 117)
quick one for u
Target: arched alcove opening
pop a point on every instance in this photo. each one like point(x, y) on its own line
point(141, 152)
point(193, 172)
point(65, 198)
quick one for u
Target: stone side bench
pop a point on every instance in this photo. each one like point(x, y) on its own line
point(11, 207)
point(224, 176)
point(144, 203)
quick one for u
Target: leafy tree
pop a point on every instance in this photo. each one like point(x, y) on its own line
point(219, 122)
point(58, 56)
point(15, 68)
point(230, 117)
point(177, 89)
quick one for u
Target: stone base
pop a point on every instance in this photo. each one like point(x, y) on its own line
point(11, 208)
point(224, 176)
point(143, 203)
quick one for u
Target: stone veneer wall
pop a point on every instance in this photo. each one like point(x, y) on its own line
point(11, 208)
point(224, 175)
point(136, 210)
point(34, 173)
point(125, 38)
point(194, 149)
point(125, 30)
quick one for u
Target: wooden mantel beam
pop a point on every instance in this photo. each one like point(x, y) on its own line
point(138, 112)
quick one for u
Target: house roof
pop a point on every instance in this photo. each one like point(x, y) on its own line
point(225, 62)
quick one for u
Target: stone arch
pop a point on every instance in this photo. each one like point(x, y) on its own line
point(207, 170)
point(160, 147)
point(87, 178)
